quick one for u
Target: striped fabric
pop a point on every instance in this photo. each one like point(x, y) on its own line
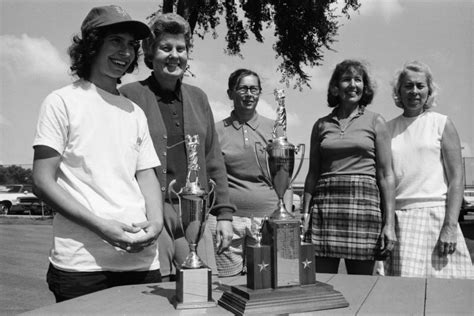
point(232, 261)
point(346, 217)
point(416, 255)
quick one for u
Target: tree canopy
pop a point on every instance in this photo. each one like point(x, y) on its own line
point(15, 175)
point(303, 29)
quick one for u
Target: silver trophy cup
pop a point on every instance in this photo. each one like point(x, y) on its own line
point(280, 159)
point(193, 207)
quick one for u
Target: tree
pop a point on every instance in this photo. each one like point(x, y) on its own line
point(15, 174)
point(303, 29)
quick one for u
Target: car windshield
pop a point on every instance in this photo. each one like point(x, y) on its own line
point(15, 188)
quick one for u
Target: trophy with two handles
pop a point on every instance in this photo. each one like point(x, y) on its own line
point(281, 271)
point(193, 277)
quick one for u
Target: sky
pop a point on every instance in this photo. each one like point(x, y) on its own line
point(35, 35)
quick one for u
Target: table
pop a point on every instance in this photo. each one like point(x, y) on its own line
point(367, 295)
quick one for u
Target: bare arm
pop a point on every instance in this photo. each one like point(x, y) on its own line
point(452, 161)
point(45, 166)
point(386, 183)
point(150, 188)
point(314, 169)
point(311, 179)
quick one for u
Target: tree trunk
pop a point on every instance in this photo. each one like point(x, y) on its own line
point(168, 6)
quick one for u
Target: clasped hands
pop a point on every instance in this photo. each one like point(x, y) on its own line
point(131, 238)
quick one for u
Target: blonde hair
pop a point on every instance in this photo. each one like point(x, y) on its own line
point(420, 67)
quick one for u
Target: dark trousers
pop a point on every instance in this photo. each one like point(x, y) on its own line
point(67, 285)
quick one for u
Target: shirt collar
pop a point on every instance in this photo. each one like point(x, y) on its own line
point(161, 94)
point(234, 121)
point(361, 111)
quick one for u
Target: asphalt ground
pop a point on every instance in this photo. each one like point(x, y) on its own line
point(23, 264)
point(24, 246)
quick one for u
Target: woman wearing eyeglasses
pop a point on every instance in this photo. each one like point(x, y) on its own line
point(248, 190)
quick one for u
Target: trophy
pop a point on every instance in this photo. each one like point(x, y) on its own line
point(258, 259)
point(193, 283)
point(292, 287)
point(283, 229)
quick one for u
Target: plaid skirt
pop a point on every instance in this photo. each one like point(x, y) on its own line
point(346, 217)
point(416, 254)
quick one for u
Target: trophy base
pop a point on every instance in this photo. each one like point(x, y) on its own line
point(241, 300)
point(193, 289)
point(259, 270)
point(307, 266)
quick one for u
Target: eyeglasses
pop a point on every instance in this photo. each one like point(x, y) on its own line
point(244, 89)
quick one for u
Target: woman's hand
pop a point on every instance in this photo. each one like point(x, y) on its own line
point(224, 232)
point(387, 242)
point(447, 240)
point(306, 229)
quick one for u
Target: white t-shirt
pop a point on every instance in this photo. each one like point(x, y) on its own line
point(103, 140)
point(417, 160)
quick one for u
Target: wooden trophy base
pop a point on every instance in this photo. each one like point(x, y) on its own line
point(259, 269)
point(293, 299)
point(193, 289)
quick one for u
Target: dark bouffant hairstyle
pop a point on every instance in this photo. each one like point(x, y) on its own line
point(237, 75)
point(341, 68)
point(84, 50)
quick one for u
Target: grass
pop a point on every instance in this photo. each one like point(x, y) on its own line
point(26, 220)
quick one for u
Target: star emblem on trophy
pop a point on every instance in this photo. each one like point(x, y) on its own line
point(306, 263)
point(263, 266)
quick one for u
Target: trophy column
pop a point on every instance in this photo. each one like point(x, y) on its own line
point(193, 277)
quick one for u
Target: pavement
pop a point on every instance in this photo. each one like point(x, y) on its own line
point(23, 264)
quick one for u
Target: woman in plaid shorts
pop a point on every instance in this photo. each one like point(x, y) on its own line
point(349, 189)
point(429, 183)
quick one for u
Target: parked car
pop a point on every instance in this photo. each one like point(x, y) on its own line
point(34, 206)
point(467, 203)
point(19, 199)
point(9, 195)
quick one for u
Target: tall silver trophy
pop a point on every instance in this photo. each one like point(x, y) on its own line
point(193, 284)
point(282, 231)
point(280, 157)
point(282, 268)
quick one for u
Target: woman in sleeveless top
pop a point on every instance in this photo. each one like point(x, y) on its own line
point(429, 183)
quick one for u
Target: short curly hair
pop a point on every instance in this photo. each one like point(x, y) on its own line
point(171, 23)
point(420, 67)
point(85, 49)
point(341, 68)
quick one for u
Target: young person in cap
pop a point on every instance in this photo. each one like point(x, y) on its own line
point(93, 162)
point(175, 109)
